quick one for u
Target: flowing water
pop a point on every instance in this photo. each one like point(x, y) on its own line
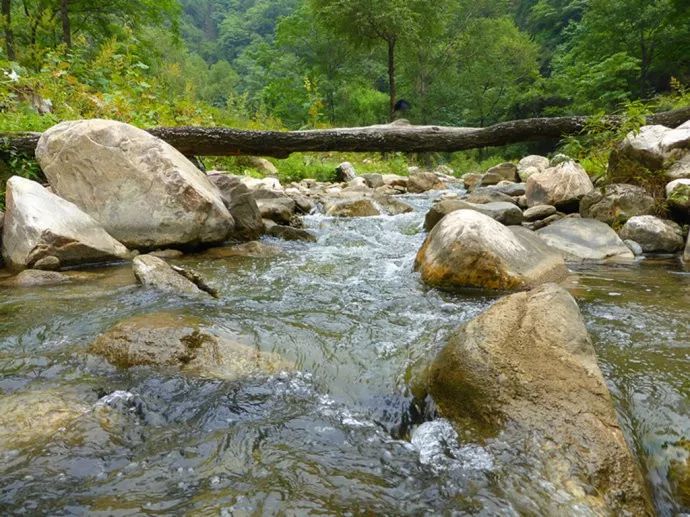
point(335, 435)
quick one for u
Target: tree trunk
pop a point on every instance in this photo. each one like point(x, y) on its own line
point(9, 34)
point(219, 141)
point(66, 28)
point(391, 78)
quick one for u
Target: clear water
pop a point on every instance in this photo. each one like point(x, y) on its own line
point(335, 436)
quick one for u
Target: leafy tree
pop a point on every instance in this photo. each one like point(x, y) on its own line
point(368, 22)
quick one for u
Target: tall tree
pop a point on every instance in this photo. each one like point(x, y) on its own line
point(367, 22)
point(6, 12)
point(66, 27)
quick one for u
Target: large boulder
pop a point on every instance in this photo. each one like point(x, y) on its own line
point(616, 203)
point(39, 224)
point(585, 239)
point(561, 186)
point(504, 213)
point(526, 369)
point(653, 234)
point(423, 181)
point(470, 249)
point(143, 191)
point(183, 342)
point(240, 202)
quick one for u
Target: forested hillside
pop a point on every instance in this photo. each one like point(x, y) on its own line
point(311, 63)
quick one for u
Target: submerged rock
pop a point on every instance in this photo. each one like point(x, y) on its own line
point(183, 342)
point(154, 272)
point(525, 371)
point(39, 224)
point(28, 418)
point(252, 249)
point(653, 234)
point(36, 278)
point(615, 204)
point(585, 239)
point(289, 233)
point(561, 186)
point(469, 249)
point(143, 191)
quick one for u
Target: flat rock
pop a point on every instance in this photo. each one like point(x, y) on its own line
point(154, 272)
point(469, 249)
point(183, 342)
point(539, 212)
point(504, 213)
point(252, 249)
point(585, 239)
point(143, 191)
point(39, 224)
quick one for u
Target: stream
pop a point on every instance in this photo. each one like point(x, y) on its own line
point(336, 435)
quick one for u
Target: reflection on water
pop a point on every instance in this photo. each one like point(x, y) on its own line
point(333, 437)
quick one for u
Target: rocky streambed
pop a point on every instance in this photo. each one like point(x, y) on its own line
point(314, 371)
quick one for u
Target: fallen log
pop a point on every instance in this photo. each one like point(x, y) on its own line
point(222, 141)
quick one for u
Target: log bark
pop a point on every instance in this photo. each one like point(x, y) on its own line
point(220, 141)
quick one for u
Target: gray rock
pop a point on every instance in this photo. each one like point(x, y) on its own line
point(653, 234)
point(525, 369)
point(288, 233)
point(253, 249)
point(539, 212)
point(154, 272)
point(471, 180)
point(36, 278)
point(373, 180)
point(686, 253)
point(561, 186)
point(615, 204)
point(634, 247)
point(424, 181)
point(48, 263)
point(280, 210)
point(491, 178)
point(262, 165)
point(585, 239)
point(39, 224)
point(469, 249)
point(166, 254)
point(506, 171)
point(241, 204)
point(487, 195)
point(345, 172)
point(393, 206)
point(140, 189)
point(510, 188)
point(504, 213)
point(532, 164)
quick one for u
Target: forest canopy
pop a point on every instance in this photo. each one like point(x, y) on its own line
point(318, 63)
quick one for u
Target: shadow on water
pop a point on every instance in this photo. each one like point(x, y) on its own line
point(331, 435)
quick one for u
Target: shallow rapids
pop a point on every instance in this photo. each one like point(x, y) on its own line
point(338, 435)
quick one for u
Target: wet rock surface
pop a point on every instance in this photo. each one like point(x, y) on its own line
point(585, 239)
point(526, 367)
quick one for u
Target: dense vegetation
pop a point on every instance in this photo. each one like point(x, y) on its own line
point(316, 63)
